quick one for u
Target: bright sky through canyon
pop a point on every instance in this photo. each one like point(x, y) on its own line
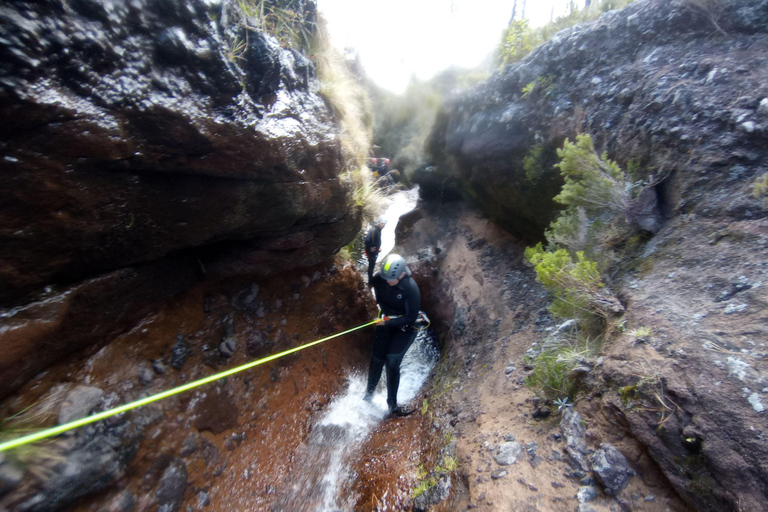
point(398, 39)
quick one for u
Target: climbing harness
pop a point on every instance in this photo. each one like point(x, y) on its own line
point(422, 321)
point(44, 434)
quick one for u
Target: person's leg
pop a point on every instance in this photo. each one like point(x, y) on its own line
point(381, 340)
point(401, 341)
point(393, 380)
point(374, 374)
point(371, 264)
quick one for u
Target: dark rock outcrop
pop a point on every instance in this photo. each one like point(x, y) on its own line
point(173, 485)
point(675, 88)
point(611, 468)
point(146, 144)
point(657, 83)
point(90, 460)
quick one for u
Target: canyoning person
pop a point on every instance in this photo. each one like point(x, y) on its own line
point(373, 244)
point(373, 164)
point(399, 298)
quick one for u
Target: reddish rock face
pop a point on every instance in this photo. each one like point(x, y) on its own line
point(240, 437)
point(138, 157)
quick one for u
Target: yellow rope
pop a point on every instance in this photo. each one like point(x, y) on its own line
point(43, 434)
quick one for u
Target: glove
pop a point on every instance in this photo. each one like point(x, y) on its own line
point(382, 319)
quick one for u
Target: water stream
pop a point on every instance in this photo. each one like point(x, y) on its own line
point(400, 204)
point(324, 479)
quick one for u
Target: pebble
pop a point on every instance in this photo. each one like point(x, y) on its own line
point(508, 453)
point(585, 494)
point(228, 347)
point(145, 374)
point(159, 367)
point(499, 473)
point(763, 107)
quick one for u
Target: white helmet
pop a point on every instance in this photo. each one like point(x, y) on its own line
point(393, 267)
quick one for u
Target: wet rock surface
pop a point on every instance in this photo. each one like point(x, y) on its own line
point(220, 447)
point(489, 311)
point(173, 485)
point(654, 84)
point(140, 155)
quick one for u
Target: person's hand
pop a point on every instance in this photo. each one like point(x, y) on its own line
point(382, 319)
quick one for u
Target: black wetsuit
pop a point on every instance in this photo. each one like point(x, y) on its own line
point(393, 337)
point(372, 246)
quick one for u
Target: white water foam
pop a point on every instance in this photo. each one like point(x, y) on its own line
point(402, 203)
point(338, 434)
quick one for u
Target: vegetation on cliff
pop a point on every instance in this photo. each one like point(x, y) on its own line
point(297, 25)
point(519, 39)
point(595, 193)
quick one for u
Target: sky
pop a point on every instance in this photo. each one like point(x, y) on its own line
point(398, 39)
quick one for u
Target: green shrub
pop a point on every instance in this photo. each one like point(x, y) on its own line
point(596, 193)
point(428, 479)
point(518, 41)
point(592, 182)
point(569, 230)
point(533, 163)
point(576, 285)
point(544, 86)
point(551, 375)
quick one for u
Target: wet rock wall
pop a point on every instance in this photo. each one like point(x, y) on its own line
point(676, 91)
point(228, 445)
point(147, 144)
point(673, 87)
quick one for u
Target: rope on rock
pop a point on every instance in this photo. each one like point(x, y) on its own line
point(43, 434)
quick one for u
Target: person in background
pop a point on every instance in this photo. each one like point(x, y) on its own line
point(399, 298)
point(373, 244)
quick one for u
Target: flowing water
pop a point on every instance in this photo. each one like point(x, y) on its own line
point(400, 204)
point(324, 479)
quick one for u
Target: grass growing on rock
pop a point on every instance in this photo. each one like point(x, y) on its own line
point(306, 32)
point(519, 39)
point(429, 479)
point(38, 457)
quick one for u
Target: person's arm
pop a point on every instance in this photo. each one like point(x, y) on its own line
point(412, 305)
